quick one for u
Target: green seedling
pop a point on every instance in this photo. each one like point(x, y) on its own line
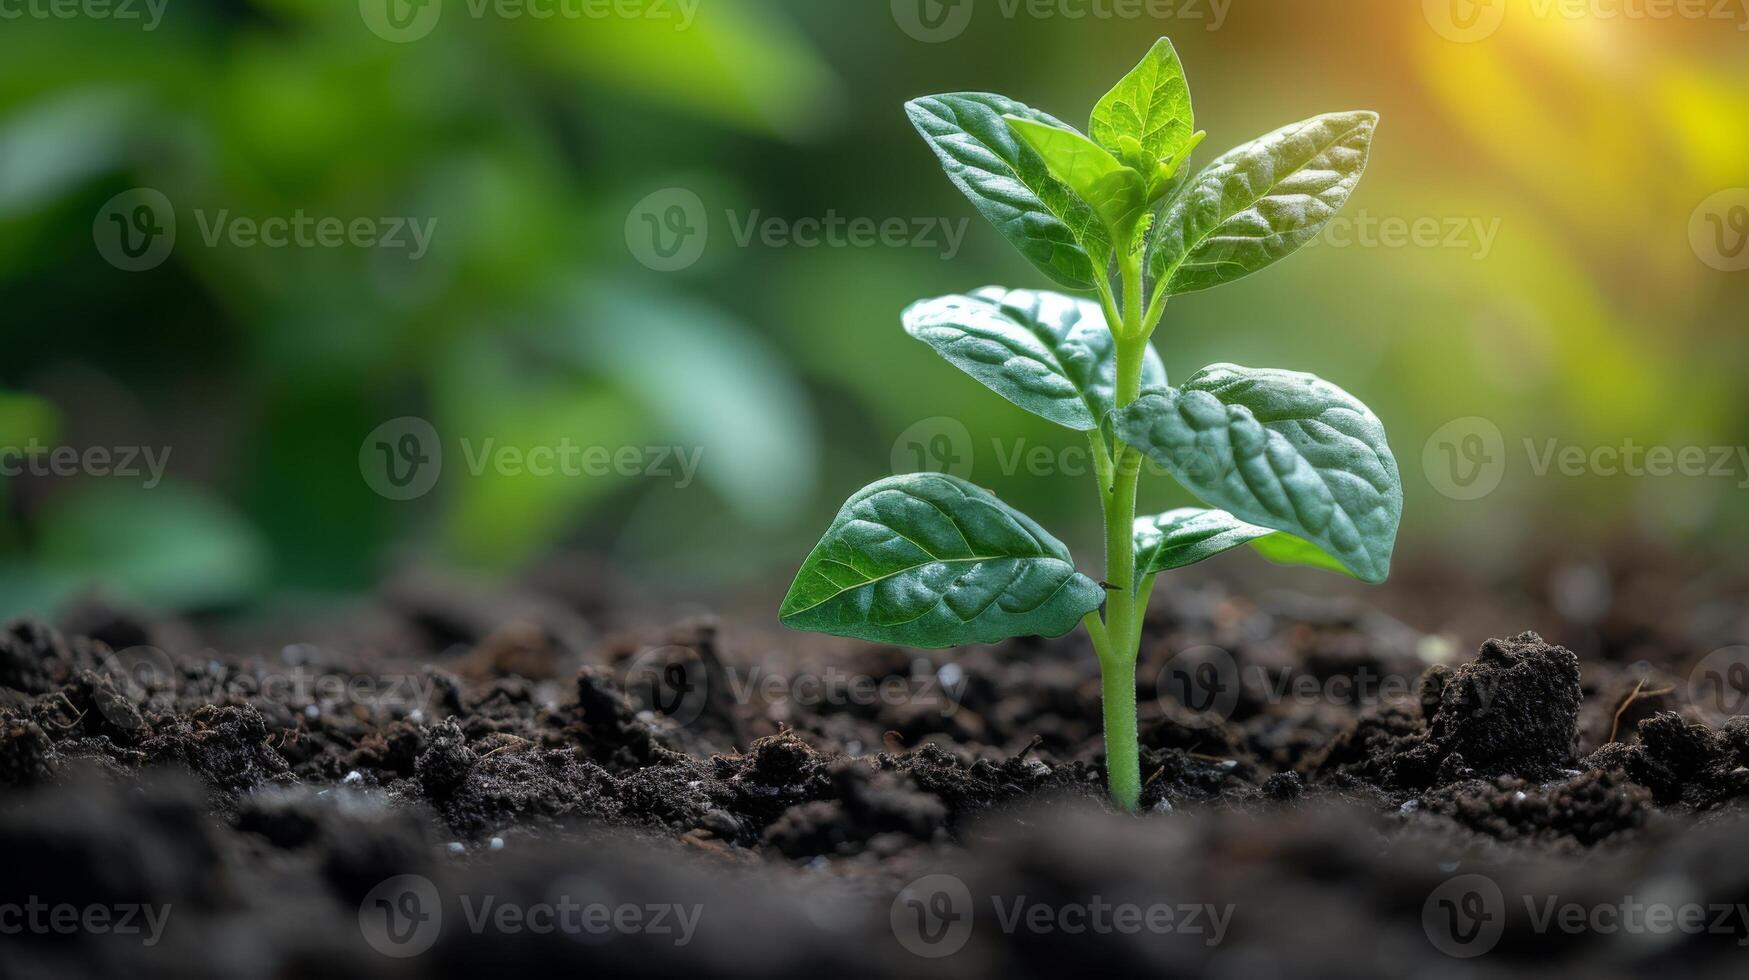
point(1289, 464)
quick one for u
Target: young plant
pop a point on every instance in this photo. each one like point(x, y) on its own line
point(1298, 468)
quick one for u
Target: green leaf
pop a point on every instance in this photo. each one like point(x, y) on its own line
point(1188, 535)
point(1260, 202)
point(929, 560)
point(1280, 449)
point(1116, 192)
point(1051, 354)
point(1150, 105)
point(1010, 184)
point(1192, 534)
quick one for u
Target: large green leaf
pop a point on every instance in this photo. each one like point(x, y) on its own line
point(1116, 192)
point(1048, 353)
point(1191, 534)
point(1280, 449)
point(929, 560)
point(1260, 202)
point(1150, 105)
point(1011, 185)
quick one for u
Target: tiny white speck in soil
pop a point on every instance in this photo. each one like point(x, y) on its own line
point(311, 711)
point(1448, 866)
point(1409, 806)
point(455, 847)
point(353, 777)
point(496, 843)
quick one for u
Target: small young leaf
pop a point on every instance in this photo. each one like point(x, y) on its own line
point(929, 560)
point(1283, 450)
point(1048, 353)
point(1150, 105)
point(1260, 202)
point(1116, 192)
point(1010, 184)
point(1188, 535)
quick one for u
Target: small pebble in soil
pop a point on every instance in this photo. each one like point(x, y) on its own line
point(311, 711)
point(496, 844)
point(455, 847)
point(1409, 806)
point(950, 675)
point(353, 778)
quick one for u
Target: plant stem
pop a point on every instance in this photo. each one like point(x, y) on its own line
point(1124, 604)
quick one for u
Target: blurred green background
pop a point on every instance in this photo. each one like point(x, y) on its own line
point(1564, 161)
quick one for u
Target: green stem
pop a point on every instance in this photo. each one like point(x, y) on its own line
point(1124, 603)
point(1123, 763)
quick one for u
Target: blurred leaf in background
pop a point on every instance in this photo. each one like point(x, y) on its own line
point(1568, 153)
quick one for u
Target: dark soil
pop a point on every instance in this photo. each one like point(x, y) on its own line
point(795, 789)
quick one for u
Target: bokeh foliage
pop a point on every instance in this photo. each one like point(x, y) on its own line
point(1586, 145)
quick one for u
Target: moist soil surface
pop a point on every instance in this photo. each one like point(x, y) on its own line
point(459, 783)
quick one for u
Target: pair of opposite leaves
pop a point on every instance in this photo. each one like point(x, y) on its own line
point(1301, 468)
